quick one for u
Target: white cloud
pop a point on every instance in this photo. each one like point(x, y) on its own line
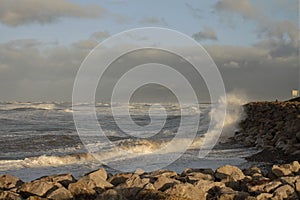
point(19, 12)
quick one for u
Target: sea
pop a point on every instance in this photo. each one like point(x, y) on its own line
point(40, 138)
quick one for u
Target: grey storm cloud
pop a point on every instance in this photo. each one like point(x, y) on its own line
point(19, 12)
point(29, 72)
point(206, 34)
point(281, 38)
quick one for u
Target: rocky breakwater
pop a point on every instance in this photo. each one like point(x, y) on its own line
point(273, 127)
point(227, 182)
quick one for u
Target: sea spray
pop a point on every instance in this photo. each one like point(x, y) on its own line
point(232, 103)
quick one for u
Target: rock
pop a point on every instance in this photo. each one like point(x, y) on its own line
point(157, 195)
point(264, 196)
point(163, 172)
point(284, 192)
point(82, 189)
point(185, 191)
point(271, 186)
point(95, 175)
point(188, 171)
point(139, 171)
point(119, 178)
point(64, 179)
point(163, 183)
point(132, 186)
point(89, 184)
point(8, 181)
point(297, 185)
point(252, 171)
point(282, 170)
point(136, 181)
point(60, 194)
point(8, 195)
point(38, 187)
point(204, 186)
point(231, 172)
point(289, 180)
point(110, 195)
point(36, 198)
point(225, 193)
point(196, 176)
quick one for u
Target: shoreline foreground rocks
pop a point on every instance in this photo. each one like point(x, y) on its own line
point(227, 182)
point(273, 127)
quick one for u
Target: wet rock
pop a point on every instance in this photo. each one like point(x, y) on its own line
point(8, 181)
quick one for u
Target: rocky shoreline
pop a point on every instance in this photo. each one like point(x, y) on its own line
point(226, 182)
point(273, 127)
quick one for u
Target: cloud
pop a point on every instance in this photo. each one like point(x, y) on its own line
point(242, 7)
point(206, 34)
point(153, 20)
point(280, 37)
point(232, 64)
point(92, 41)
point(19, 12)
point(100, 35)
point(196, 12)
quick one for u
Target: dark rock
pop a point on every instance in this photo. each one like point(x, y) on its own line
point(110, 195)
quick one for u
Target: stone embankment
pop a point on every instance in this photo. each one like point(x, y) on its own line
point(273, 127)
point(227, 182)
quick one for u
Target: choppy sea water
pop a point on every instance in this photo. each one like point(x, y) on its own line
point(38, 139)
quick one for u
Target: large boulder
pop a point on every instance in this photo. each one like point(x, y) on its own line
point(38, 187)
point(286, 169)
point(100, 173)
point(229, 172)
point(8, 181)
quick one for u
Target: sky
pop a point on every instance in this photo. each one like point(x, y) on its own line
point(254, 43)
